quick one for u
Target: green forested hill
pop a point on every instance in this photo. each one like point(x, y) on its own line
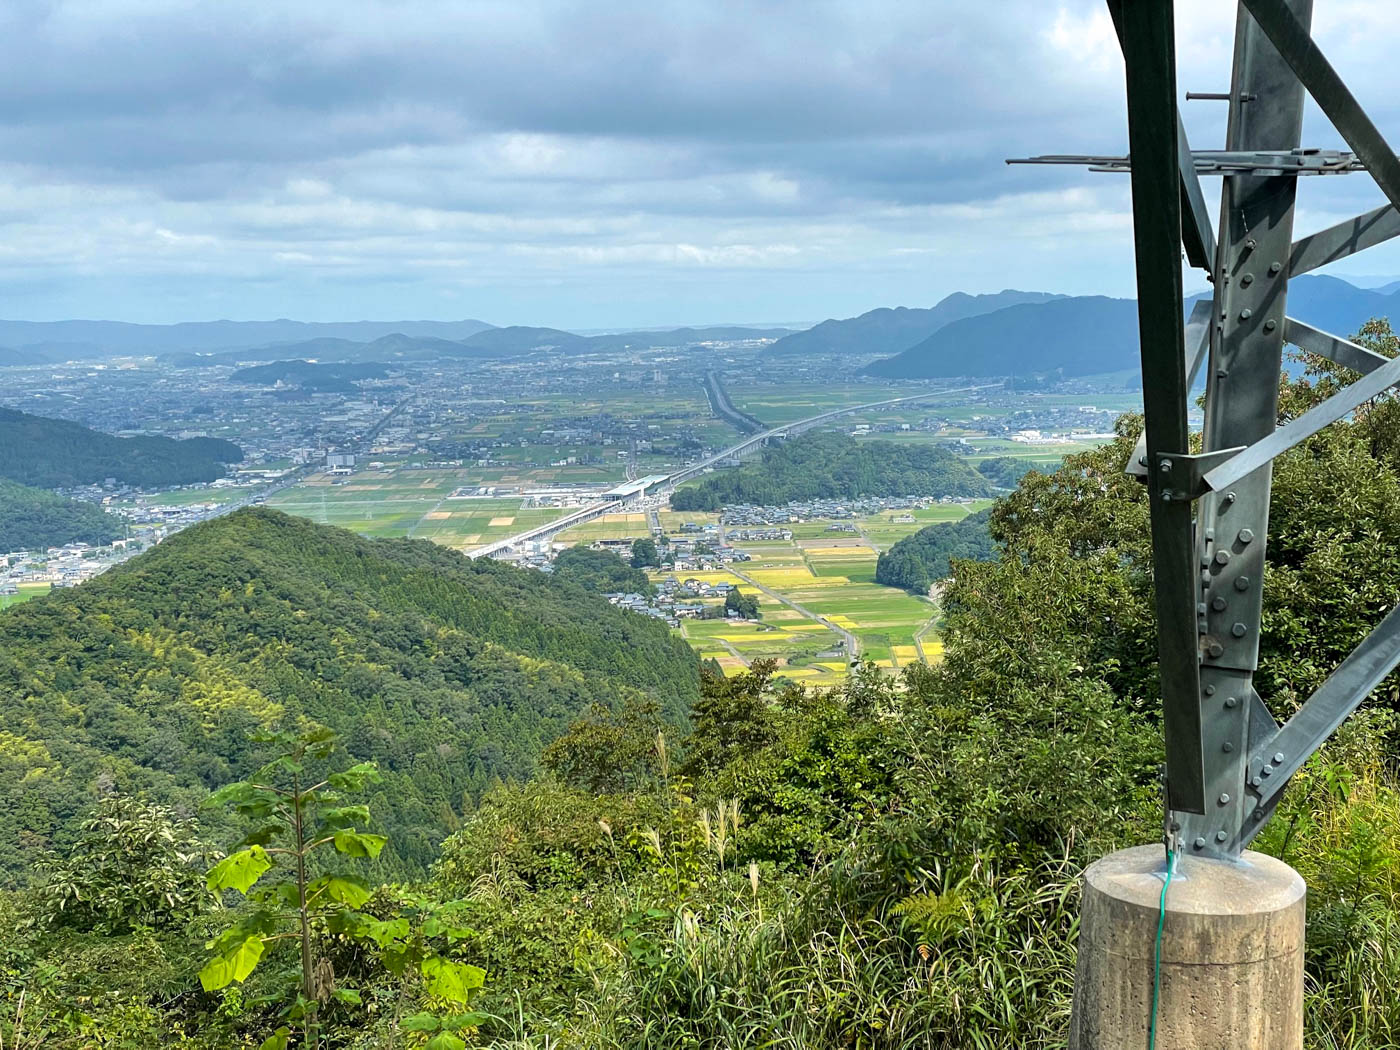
point(32, 519)
point(824, 464)
point(917, 561)
point(53, 453)
point(450, 673)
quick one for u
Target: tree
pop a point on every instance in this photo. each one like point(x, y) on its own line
point(644, 553)
point(745, 605)
point(305, 820)
point(607, 750)
point(600, 571)
point(134, 864)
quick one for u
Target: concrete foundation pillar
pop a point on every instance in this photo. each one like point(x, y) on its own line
point(1232, 954)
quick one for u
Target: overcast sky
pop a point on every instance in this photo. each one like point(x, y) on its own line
point(588, 164)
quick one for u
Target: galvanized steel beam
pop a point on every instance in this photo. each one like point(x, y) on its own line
point(1146, 33)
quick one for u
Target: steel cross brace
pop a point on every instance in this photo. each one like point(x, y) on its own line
point(1227, 759)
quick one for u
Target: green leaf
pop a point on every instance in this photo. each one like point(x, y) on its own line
point(456, 1022)
point(388, 932)
point(276, 1041)
point(239, 871)
point(356, 777)
point(421, 1023)
point(236, 965)
point(358, 844)
point(263, 835)
point(342, 817)
point(446, 1041)
point(344, 890)
point(450, 980)
point(347, 995)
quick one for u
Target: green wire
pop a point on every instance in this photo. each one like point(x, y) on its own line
point(1157, 952)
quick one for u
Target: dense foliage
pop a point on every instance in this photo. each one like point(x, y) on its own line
point(890, 865)
point(741, 604)
point(33, 519)
point(600, 571)
point(644, 553)
point(56, 453)
point(918, 561)
point(447, 672)
point(1003, 471)
point(824, 464)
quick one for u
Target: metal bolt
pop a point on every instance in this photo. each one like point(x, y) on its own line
point(1250, 244)
point(1255, 780)
point(1278, 758)
point(1229, 497)
point(1227, 747)
point(1200, 608)
point(1222, 557)
point(1267, 770)
point(1238, 630)
point(1200, 843)
point(1224, 799)
point(1165, 466)
point(1215, 649)
point(1166, 495)
point(1246, 314)
point(1220, 836)
point(1246, 535)
point(1270, 325)
point(1210, 690)
point(1218, 603)
point(1241, 583)
point(1247, 279)
point(1258, 814)
point(1275, 267)
point(1142, 461)
point(1231, 702)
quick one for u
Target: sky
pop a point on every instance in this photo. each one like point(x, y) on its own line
point(591, 164)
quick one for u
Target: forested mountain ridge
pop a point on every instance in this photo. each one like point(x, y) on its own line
point(34, 519)
point(58, 453)
point(824, 464)
point(1084, 335)
point(450, 673)
point(890, 330)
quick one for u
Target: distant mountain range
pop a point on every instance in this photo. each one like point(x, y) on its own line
point(236, 342)
point(1084, 335)
point(1002, 333)
point(888, 331)
point(39, 342)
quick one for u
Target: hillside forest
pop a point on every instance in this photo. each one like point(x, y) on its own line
point(823, 464)
point(34, 519)
point(56, 453)
point(696, 861)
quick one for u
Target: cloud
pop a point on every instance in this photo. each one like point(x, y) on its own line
point(563, 162)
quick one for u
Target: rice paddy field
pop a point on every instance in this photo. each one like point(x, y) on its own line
point(816, 586)
point(415, 503)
